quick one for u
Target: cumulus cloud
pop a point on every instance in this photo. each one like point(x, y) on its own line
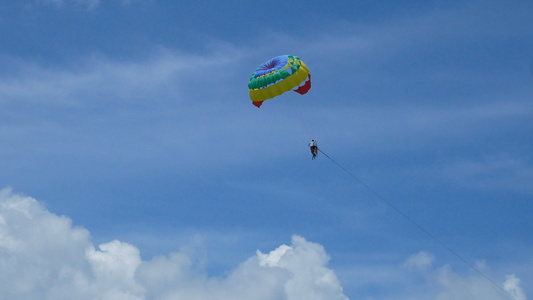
point(307, 281)
point(512, 286)
point(40, 253)
point(43, 256)
point(452, 285)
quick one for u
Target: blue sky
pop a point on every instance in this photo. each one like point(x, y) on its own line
point(128, 124)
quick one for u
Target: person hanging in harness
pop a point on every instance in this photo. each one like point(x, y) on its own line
point(314, 148)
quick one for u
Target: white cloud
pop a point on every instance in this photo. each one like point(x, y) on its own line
point(94, 77)
point(40, 253)
point(450, 285)
point(512, 286)
point(455, 286)
point(421, 261)
point(307, 281)
point(42, 256)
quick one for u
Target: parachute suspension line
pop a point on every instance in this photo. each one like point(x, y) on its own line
point(450, 250)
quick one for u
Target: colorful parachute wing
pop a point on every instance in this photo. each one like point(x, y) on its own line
point(277, 76)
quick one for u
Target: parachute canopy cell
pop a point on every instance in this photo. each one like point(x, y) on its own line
point(277, 76)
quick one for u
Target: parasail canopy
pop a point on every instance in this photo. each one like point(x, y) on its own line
point(277, 76)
